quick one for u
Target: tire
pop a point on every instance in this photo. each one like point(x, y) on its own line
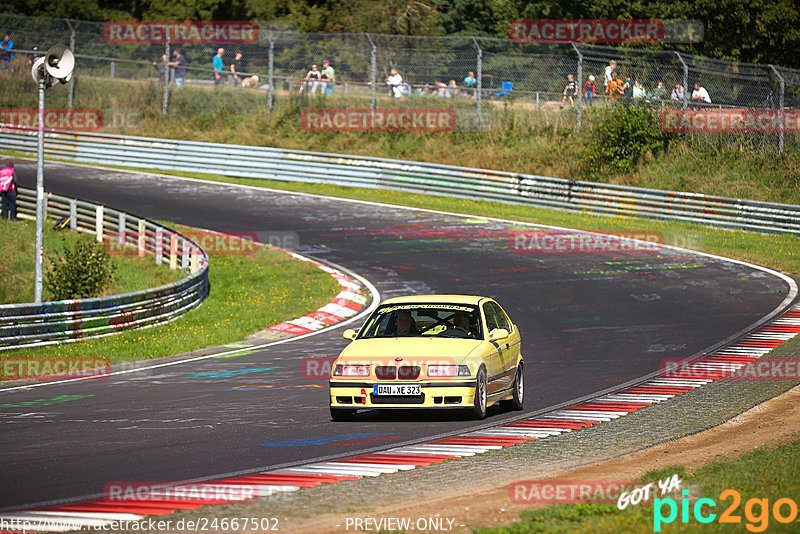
point(518, 398)
point(478, 410)
point(342, 414)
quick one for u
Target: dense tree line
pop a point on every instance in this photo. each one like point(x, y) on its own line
point(765, 31)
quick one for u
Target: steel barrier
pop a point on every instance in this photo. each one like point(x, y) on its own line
point(25, 325)
point(416, 177)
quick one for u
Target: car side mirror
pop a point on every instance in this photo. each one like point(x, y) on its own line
point(497, 334)
point(349, 334)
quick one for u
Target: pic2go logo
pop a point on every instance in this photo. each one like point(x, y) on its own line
point(756, 511)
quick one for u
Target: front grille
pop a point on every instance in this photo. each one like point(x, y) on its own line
point(386, 372)
point(408, 372)
point(397, 399)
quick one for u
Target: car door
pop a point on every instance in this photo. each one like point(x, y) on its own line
point(494, 362)
point(509, 348)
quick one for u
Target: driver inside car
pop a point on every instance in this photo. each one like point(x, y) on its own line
point(461, 321)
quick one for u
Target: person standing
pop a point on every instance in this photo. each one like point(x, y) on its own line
point(328, 75)
point(609, 74)
point(238, 69)
point(8, 191)
point(216, 63)
point(179, 64)
point(471, 83)
point(6, 54)
point(570, 91)
point(589, 90)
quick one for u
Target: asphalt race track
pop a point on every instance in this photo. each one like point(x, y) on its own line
point(589, 321)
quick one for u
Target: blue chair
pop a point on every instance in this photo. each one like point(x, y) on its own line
point(505, 88)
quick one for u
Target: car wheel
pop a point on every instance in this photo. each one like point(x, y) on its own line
point(479, 403)
point(518, 397)
point(342, 414)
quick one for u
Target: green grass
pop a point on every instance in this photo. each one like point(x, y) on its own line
point(17, 244)
point(248, 294)
point(769, 473)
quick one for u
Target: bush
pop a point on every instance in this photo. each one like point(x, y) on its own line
point(83, 272)
point(621, 138)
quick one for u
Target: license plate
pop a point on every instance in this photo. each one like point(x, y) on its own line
point(397, 389)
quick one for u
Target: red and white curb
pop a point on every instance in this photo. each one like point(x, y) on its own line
point(345, 305)
point(100, 512)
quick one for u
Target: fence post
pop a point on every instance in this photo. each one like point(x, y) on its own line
point(782, 83)
point(373, 70)
point(271, 74)
point(98, 223)
point(167, 75)
point(71, 88)
point(579, 87)
point(121, 230)
point(111, 72)
point(73, 214)
point(685, 80)
point(159, 245)
point(478, 95)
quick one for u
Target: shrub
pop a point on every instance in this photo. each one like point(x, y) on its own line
point(621, 138)
point(82, 272)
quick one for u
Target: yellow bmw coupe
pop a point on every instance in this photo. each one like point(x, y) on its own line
point(433, 351)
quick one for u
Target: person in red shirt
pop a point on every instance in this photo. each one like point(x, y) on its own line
point(8, 191)
point(588, 90)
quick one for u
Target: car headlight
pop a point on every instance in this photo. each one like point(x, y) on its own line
point(448, 370)
point(351, 370)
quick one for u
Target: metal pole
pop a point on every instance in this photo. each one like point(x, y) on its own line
point(685, 80)
point(71, 89)
point(780, 107)
point(579, 87)
point(373, 71)
point(478, 95)
point(270, 96)
point(37, 287)
point(167, 73)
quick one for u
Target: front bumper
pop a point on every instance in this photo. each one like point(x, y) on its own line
point(433, 394)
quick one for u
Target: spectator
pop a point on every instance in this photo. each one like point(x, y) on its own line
point(570, 90)
point(441, 89)
point(638, 91)
point(238, 69)
point(677, 93)
point(615, 89)
point(161, 67)
point(6, 55)
point(471, 83)
point(588, 90)
point(328, 75)
point(424, 90)
point(395, 83)
point(660, 92)
point(452, 88)
point(312, 80)
point(8, 191)
point(178, 63)
point(609, 74)
point(627, 88)
point(218, 67)
point(33, 57)
point(700, 94)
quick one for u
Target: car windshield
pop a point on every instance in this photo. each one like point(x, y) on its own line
point(424, 320)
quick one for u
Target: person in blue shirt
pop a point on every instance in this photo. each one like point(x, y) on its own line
point(470, 82)
point(218, 67)
point(179, 64)
point(6, 55)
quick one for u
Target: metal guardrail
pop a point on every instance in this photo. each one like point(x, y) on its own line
point(25, 325)
point(415, 177)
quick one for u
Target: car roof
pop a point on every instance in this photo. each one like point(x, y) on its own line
point(438, 299)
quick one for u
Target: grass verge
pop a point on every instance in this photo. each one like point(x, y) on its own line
point(248, 293)
point(760, 478)
point(17, 245)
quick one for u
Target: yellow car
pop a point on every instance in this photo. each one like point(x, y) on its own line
point(433, 351)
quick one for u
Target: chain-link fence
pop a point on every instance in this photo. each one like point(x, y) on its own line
point(483, 80)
